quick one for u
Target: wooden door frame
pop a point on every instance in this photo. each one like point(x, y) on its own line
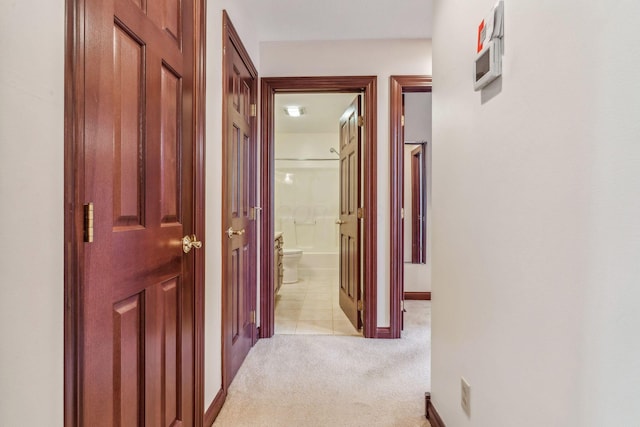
point(74, 175)
point(229, 33)
point(397, 86)
point(332, 84)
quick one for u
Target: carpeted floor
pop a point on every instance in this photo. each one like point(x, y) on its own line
point(318, 381)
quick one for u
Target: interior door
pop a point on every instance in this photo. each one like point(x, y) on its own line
point(239, 223)
point(136, 350)
point(417, 210)
point(401, 167)
point(350, 142)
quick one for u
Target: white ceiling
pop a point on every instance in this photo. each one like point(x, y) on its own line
point(286, 20)
point(322, 112)
point(294, 20)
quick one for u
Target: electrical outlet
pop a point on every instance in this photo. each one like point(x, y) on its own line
point(465, 396)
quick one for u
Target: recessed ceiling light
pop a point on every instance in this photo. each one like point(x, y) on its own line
point(294, 111)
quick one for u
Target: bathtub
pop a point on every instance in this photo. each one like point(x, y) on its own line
point(319, 265)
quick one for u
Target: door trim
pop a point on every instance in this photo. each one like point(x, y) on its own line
point(269, 87)
point(398, 85)
point(74, 174)
point(230, 33)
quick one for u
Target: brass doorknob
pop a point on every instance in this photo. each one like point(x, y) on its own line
point(231, 232)
point(339, 221)
point(190, 242)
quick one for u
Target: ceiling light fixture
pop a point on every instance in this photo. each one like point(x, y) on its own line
point(294, 111)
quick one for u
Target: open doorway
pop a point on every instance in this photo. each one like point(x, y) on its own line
point(417, 200)
point(309, 155)
point(409, 154)
point(363, 267)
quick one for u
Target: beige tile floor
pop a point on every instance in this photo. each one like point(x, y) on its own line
point(311, 307)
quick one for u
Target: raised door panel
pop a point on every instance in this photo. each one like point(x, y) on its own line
point(163, 350)
point(171, 343)
point(235, 171)
point(128, 350)
point(172, 22)
point(245, 169)
point(166, 15)
point(352, 190)
point(128, 139)
point(344, 169)
point(353, 269)
point(170, 133)
point(235, 283)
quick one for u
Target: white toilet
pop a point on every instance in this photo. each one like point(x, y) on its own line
point(290, 260)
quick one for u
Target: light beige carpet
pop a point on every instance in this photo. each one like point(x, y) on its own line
point(298, 380)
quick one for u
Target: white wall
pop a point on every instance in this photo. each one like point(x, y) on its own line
point(244, 24)
point(417, 116)
point(535, 217)
point(308, 145)
point(307, 192)
point(417, 277)
point(31, 213)
point(365, 57)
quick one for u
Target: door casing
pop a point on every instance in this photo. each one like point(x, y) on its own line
point(74, 176)
point(270, 86)
point(398, 85)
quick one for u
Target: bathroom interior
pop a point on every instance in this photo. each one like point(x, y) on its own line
point(307, 207)
point(306, 210)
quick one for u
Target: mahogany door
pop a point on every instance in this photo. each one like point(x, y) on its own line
point(135, 347)
point(350, 140)
point(239, 183)
point(417, 206)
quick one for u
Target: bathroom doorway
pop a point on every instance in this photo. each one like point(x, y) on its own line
point(410, 190)
point(311, 135)
point(301, 206)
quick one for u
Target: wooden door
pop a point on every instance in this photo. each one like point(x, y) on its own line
point(350, 140)
point(136, 343)
point(417, 207)
point(239, 183)
point(400, 171)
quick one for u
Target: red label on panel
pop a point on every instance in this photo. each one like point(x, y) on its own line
point(481, 31)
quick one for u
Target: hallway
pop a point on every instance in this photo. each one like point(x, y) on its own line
point(324, 380)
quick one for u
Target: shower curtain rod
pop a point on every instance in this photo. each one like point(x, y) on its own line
point(301, 159)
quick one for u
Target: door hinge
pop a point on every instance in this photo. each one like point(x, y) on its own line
point(360, 306)
point(88, 222)
point(360, 121)
point(360, 213)
point(254, 110)
point(402, 120)
point(402, 213)
point(253, 212)
point(253, 317)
